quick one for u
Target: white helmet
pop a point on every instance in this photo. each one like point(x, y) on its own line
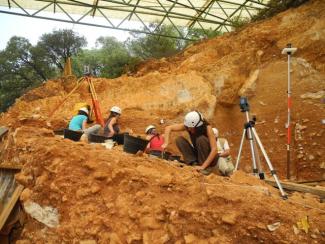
point(215, 132)
point(84, 110)
point(149, 128)
point(116, 109)
point(193, 119)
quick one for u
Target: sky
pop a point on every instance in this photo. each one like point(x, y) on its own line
point(32, 29)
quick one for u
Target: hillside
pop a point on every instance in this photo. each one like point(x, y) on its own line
point(108, 196)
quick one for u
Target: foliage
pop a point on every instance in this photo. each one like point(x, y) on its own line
point(61, 44)
point(276, 6)
point(196, 33)
point(153, 46)
point(238, 22)
point(110, 59)
point(21, 68)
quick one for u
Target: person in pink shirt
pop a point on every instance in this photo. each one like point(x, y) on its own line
point(155, 141)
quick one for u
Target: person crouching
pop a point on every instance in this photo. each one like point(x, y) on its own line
point(155, 141)
point(202, 151)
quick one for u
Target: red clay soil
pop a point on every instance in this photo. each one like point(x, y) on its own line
point(108, 196)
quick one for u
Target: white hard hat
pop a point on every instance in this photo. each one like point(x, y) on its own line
point(215, 132)
point(84, 110)
point(149, 128)
point(193, 119)
point(116, 109)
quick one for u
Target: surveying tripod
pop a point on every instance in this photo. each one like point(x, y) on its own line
point(252, 136)
point(94, 98)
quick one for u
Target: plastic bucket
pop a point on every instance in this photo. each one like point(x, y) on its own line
point(72, 135)
point(97, 138)
point(134, 144)
point(119, 138)
point(59, 132)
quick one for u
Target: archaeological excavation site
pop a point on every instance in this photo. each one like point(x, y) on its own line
point(139, 169)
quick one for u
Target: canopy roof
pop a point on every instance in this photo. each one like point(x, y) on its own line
point(201, 14)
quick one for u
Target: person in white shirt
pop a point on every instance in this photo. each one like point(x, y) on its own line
point(224, 165)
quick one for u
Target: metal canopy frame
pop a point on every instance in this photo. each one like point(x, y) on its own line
point(182, 15)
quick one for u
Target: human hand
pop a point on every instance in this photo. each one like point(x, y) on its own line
point(198, 168)
point(163, 146)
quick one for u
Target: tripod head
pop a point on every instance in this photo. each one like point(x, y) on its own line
point(243, 103)
point(289, 49)
point(86, 70)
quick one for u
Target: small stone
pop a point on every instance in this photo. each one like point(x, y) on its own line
point(262, 103)
point(313, 236)
point(95, 189)
point(149, 222)
point(133, 237)
point(295, 230)
point(311, 157)
point(305, 120)
point(91, 165)
point(260, 226)
point(229, 218)
point(81, 193)
point(25, 195)
point(36, 116)
point(274, 226)
point(100, 175)
point(190, 238)
point(300, 156)
point(64, 198)
point(88, 242)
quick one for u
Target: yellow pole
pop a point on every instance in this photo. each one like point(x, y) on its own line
point(67, 71)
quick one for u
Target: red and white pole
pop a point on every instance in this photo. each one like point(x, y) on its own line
point(289, 51)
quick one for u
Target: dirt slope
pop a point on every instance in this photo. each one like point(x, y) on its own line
point(112, 197)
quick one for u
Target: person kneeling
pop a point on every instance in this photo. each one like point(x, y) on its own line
point(202, 152)
point(79, 122)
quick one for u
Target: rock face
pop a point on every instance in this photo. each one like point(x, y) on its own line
point(107, 196)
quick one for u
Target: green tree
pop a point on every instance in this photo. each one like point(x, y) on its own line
point(114, 57)
point(152, 46)
point(61, 44)
point(22, 67)
point(110, 58)
point(19, 54)
point(275, 6)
